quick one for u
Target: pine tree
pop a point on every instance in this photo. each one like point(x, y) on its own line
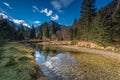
point(20, 32)
point(54, 30)
point(40, 33)
point(70, 32)
point(88, 9)
point(99, 34)
point(87, 12)
point(75, 29)
point(32, 33)
point(45, 31)
point(115, 28)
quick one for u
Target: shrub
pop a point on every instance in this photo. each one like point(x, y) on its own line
point(24, 58)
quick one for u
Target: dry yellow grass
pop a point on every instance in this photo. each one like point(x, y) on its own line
point(99, 67)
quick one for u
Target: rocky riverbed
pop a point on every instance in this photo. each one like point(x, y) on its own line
point(77, 66)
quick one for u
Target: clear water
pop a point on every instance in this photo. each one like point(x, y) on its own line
point(62, 65)
point(54, 63)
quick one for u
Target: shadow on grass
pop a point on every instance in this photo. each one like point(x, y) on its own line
point(16, 63)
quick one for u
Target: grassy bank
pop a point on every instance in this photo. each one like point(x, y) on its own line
point(112, 48)
point(17, 63)
point(72, 48)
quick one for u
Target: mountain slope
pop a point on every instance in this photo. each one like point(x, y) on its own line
point(9, 27)
point(110, 10)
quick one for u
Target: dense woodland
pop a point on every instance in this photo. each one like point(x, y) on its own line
point(102, 27)
point(98, 26)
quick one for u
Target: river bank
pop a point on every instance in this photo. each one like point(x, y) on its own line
point(84, 47)
point(61, 63)
point(17, 63)
point(88, 50)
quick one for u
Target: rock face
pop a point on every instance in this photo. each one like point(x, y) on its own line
point(86, 44)
point(115, 48)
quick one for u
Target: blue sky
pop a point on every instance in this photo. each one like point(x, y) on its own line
point(38, 11)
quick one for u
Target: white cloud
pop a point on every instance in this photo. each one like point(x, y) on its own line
point(55, 17)
point(3, 16)
point(59, 4)
point(8, 5)
point(20, 21)
point(56, 5)
point(36, 8)
point(37, 22)
point(66, 2)
point(47, 12)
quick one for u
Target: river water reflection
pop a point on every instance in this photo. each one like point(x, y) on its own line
point(62, 65)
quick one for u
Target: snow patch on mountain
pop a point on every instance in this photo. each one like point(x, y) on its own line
point(16, 21)
point(3, 16)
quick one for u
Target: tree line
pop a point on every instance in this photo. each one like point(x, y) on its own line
point(9, 31)
point(53, 31)
point(101, 27)
point(98, 26)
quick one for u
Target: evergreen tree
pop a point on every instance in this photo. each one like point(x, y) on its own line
point(45, 31)
point(32, 33)
point(75, 30)
point(7, 30)
point(87, 12)
point(20, 32)
point(115, 27)
point(40, 33)
point(88, 9)
point(54, 30)
point(99, 34)
point(70, 32)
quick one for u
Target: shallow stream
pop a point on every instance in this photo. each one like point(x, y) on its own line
point(62, 65)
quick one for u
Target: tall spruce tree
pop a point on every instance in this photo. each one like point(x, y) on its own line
point(32, 32)
point(40, 33)
point(87, 12)
point(54, 29)
point(45, 31)
point(99, 34)
point(115, 29)
point(88, 9)
point(75, 30)
point(20, 32)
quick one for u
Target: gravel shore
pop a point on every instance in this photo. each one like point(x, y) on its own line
point(89, 50)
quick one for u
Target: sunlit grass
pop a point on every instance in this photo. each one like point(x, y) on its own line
point(17, 63)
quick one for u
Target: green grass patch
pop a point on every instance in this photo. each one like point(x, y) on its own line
point(24, 58)
point(17, 63)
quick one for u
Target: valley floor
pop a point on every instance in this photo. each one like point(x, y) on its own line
point(17, 61)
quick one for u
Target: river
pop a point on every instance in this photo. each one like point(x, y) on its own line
point(63, 65)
